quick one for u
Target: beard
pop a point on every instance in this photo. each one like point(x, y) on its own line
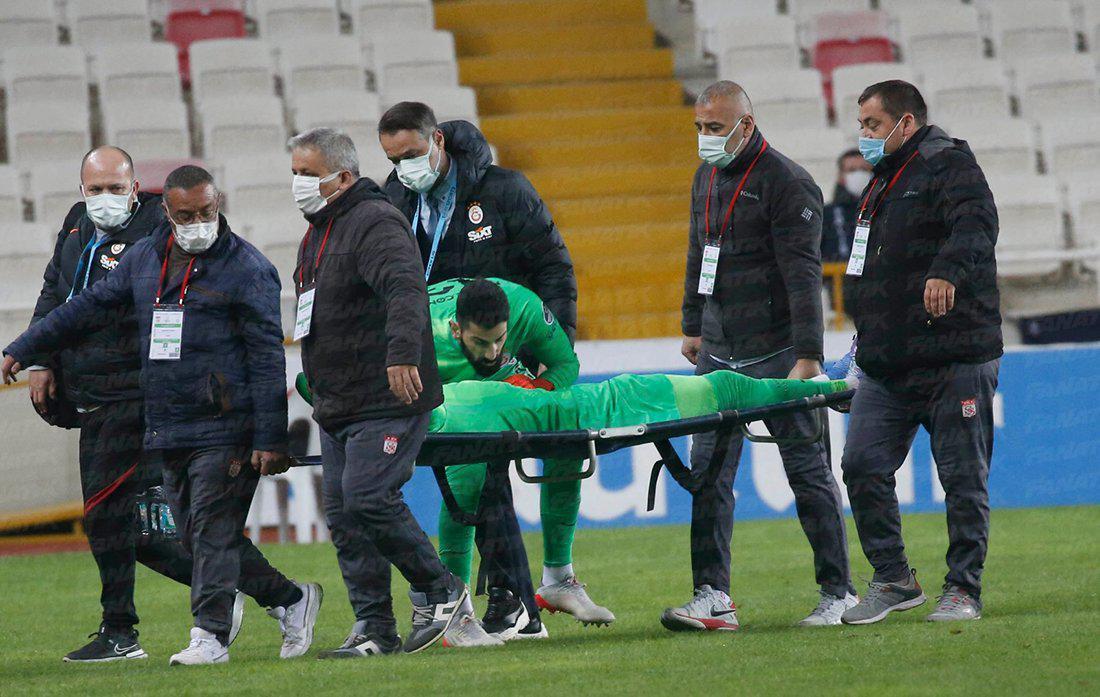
point(483, 367)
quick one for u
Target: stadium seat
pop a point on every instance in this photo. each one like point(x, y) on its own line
point(288, 19)
point(850, 81)
point(231, 68)
point(197, 20)
point(712, 16)
point(25, 23)
point(313, 64)
point(46, 74)
point(945, 34)
point(765, 41)
point(372, 18)
point(55, 187)
point(1003, 146)
point(22, 265)
point(11, 194)
point(448, 103)
point(41, 132)
point(432, 63)
point(1030, 31)
point(981, 90)
point(152, 173)
point(850, 38)
point(1073, 148)
point(1084, 202)
point(785, 99)
point(153, 128)
point(354, 113)
point(148, 71)
point(1029, 210)
point(95, 23)
point(1058, 87)
point(808, 10)
point(242, 127)
point(816, 149)
point(257, 186)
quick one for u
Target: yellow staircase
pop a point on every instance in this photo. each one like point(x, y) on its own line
point(576, 95)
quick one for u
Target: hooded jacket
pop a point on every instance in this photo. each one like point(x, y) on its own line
point(939, 220)
point(370, 309)
point(229, 385)
point(500, 227)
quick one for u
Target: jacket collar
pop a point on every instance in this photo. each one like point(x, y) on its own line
point(898, 158)
point(362, 190)
point(748, 153)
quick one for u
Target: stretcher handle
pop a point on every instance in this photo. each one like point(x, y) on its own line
point(585, 472)
point(819, 433)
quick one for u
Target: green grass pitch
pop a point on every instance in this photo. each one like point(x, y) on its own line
point(1040, 633)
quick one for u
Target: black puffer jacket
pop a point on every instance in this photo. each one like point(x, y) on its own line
point(939, 220)
point(500, 227)
point(370, 310)
point(105, 365)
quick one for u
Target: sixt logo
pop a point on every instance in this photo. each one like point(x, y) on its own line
point(481, 234)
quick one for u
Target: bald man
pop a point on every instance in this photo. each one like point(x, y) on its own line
point(752, 304)
point(93, 385)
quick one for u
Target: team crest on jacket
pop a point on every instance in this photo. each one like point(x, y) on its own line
point(474, 212)
point(481, 234)
point(118, 247)
point(107, 262)
point(969, 408)
point(389, 445)
point(547, 315)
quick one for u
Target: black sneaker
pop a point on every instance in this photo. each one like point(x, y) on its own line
point(361, 643)
point(506, 615)
point(535, 629)
point(108, 645)
point(432, 617)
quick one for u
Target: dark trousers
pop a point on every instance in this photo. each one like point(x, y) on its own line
point(209, 491)
point(499, 541)
point(955, 406)
point(364, 467)
point(816, 494)
point(113, 472)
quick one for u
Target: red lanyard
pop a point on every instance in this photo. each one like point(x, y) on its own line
point(317, 262)
point(889, 186)
point(736, 195)
point(164, 270)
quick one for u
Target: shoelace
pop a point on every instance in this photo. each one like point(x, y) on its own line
point(823, 604)
point(702, 602)
point(495, 612)
point(951, 599)
point(422, 615)
point(875, 589)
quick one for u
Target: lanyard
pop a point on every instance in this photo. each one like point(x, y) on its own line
point(736, 195)
point(317, 261)
point(882, 196)
point(444, 215)
point(89, 250)
point(164, 270)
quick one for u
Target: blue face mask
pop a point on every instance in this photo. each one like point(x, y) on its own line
point(874, 149)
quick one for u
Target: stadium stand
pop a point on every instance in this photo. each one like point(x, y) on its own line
point(25, 23)
point(317, 64)
point(244, 127)
point(291, 19)
point(36, 74)
point(980, 91)
point(11, 194)
point(1072, 149)
point(431, 64)
point(231, 68)
point(1004, 146)
point(95, 24)
point(156, 128)
point(195, 20)
point(56, 188)
point(1058, 87)
point(146, 70)
point(1031, 234)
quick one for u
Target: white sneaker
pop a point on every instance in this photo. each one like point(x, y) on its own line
point(466, 632)
point(829, 610)
point(297, 620)
point(709, 610)
point(204, 649)
point(570, 596)
point(237, 617)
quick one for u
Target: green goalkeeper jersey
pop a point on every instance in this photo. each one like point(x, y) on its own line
point(531, 326)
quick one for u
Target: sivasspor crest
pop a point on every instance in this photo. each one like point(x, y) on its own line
point(389, 445)
point(969, 408)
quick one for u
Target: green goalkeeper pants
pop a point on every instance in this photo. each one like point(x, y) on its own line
point(624, 400)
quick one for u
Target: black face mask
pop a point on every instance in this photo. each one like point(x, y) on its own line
point(482, 367)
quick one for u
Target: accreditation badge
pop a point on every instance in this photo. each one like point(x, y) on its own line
point(304, 316)
point(859, 249)
point(708, 271)
point(166, 336)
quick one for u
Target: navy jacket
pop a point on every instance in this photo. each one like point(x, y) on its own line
point(229, 386)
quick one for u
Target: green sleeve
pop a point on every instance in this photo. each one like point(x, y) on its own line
point(538, 331)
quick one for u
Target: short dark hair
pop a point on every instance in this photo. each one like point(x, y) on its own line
point(898, 99)
point(850, 152)
point(483, 303)
point(187, 177)
point(406, 116)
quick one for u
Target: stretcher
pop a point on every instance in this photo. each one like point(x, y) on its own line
point(501, 448)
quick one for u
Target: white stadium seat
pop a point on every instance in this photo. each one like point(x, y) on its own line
point(22, 265)
point(354, 113)
point(11, 194)
point(806, 10)
point(1084, 202)
point(763, 43)
point(712, 15)
point(54, 189)
point(1034, 30)
point(1029, 211)
point(41, 132)
point(448, 103)
point(784, 99)
point(1059, 87)
point(255, 186)
point(421, 58)
point(231, 68)
point(313, 64)
point(1003, 146)
point(242, 127)
point(149, 71)
point(24, 23)
point(815, 149)
point(373, 18)
point(52, 74)
point(979, 90)
point(1073, 148)
point(849, 81)
point(154, 128)
point(96, 23)
point(948, 33)
point(287, 19)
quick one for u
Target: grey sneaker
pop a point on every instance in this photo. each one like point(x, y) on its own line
point(829, 610)
point(361, 643)
point(884, 598)
point(431, 620)
point(709, 610)
point(466, 632)
point(570, 597)
point(956, 604)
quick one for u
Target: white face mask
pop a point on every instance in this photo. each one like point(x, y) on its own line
point(195, 238)
point(109, 212)
point(307, 192)
point(417, 173)
point(712, 149)
point(856, 181)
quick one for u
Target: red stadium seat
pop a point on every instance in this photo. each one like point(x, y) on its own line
point(194, 20)
point(152, 173)
point(849, 38)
